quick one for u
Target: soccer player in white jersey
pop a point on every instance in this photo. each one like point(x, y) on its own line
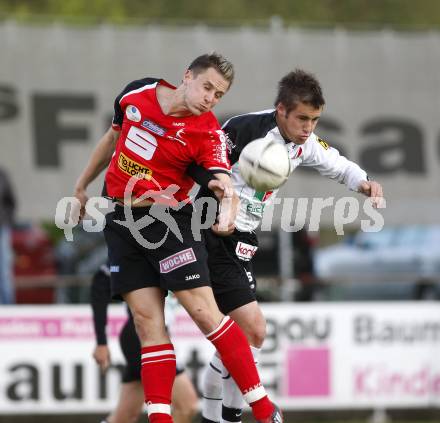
point(298, 107)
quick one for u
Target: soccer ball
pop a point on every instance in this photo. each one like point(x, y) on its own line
point(264, 164)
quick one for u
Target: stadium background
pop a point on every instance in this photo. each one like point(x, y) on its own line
point(62, 64)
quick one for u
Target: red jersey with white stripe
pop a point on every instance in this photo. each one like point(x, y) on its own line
point(156, 148)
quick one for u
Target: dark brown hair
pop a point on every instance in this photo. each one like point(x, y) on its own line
point(299, 86)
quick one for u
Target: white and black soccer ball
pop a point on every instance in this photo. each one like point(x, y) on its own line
point(264, 164)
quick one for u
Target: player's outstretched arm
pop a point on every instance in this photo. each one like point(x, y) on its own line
point(98, 161)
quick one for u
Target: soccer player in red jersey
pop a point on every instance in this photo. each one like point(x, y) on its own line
point(157, 131)
point(131, 396)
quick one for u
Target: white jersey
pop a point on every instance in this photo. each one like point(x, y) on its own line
point(314, 153)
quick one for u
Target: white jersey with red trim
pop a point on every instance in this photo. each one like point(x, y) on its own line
point(156, 148)
point(315, 153)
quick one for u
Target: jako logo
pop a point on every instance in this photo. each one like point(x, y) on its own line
point(177, 260)
point(245, 251)
point(192, 277)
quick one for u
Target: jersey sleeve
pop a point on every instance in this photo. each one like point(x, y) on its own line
point(328, 162)
point(100, 298)
point(118, 115)
point(200, 175)
point(242, 129)
point(213, 152)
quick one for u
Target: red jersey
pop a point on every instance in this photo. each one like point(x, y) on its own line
point(156, 148)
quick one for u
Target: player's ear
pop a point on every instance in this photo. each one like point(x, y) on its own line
point(281, 109)
point(188, 76)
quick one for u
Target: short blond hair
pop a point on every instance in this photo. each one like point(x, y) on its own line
point(216, 61)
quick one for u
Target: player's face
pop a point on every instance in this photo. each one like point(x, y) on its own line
point(204, 90)
point(298, 124)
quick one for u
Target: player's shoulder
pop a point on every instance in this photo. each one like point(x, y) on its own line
point(242, 129)
point(139, 85)
point(315, 141)
point(207, 122)
point(315, 146)
point(262, 121)
point(311, 141)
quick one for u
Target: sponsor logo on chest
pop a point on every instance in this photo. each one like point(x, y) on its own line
point(256, 209)
point(153, 127)
point(141, 142)
point(177, 260)
point(245, 251)
point(133, 168)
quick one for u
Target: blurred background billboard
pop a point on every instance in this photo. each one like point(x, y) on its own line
point(58, 84)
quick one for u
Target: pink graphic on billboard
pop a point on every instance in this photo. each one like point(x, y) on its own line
point(308, 372)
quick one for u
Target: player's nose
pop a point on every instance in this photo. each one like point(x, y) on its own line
point(209, 98)
point(308, 127)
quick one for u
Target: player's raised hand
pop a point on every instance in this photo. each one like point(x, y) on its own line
point(373, 190)
point(101, 354)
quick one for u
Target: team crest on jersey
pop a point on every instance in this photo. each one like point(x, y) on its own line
point(133, 113)
point(178, 137)
point(180, 133)
point(323, 143)
point(153, 127)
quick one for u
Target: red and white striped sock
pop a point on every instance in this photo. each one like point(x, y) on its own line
point(236, 355)
point(157, 374)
